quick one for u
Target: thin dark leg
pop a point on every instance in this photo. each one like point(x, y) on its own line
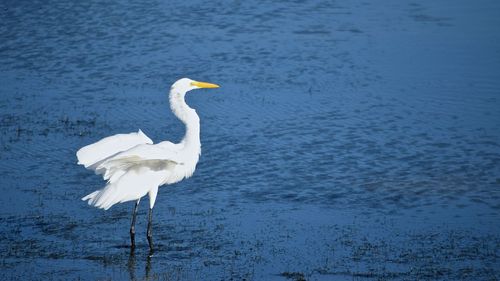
point(150, 230)
point(132, 226)
point(148, 266)
point(131, 265)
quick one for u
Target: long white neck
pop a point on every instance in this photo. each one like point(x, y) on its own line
point(188, 116)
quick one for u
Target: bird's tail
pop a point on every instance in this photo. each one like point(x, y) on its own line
point(91, 196)
point(132, 185)
point(101, 198)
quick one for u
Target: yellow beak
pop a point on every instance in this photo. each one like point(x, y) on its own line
point(204, 84)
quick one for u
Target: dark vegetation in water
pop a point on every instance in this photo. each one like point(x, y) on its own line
point(295, 276)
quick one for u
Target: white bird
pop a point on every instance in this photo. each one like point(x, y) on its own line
point(133, 166)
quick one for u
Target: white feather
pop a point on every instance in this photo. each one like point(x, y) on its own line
point(134, 184)
point(91, 154)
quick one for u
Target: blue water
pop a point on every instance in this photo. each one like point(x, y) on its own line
point(350, 140)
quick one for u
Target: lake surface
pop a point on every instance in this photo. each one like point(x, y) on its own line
point(350, 140)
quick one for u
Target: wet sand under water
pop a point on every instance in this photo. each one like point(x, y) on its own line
point(348, 141)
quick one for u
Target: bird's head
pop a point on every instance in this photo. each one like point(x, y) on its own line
point(186, 84)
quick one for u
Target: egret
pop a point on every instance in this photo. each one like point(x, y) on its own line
point(133, 166)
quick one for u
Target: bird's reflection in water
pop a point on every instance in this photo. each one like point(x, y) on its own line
point(148, 266)
point(131, 265)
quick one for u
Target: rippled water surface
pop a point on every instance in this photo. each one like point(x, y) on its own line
point(350, 140)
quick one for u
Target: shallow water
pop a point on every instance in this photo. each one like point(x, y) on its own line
point(349, 140)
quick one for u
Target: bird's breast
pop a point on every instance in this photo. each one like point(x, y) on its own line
point(182, 170)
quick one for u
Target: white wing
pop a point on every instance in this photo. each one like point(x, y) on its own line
point(133, 172)
point(154, 156)
point(92, 154)
point(164, 151)
point(133, 183)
